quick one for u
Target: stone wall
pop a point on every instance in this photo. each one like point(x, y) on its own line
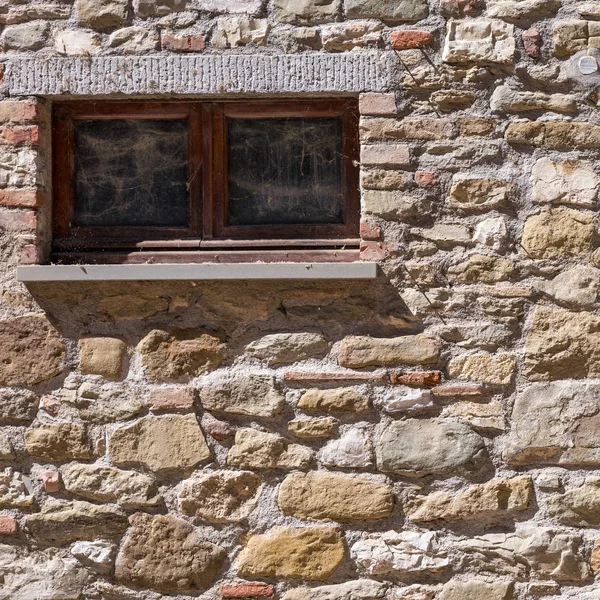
point(431, 435)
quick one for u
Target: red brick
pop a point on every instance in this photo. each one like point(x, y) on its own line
point(416, 378)
point(247, 590)
point(369, 231)
point(426, 178)
point(407, 39)
point(26, 134)
point(8, 526)
point(172, 398)
point(218, 430)
point(51, 481)
point(312, 376)
point(50, 404)
point(13, 111)
point(462, 390)
point(532, 40)
point(183, 42)
point(372, 250)
point(29, 255)
point(21, 198)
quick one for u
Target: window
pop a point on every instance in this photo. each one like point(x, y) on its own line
point(190, 181)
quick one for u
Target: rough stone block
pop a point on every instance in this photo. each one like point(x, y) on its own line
point(477, 195)
point(101, 14)
point(17, 406)
point(247, 589)
point(480, 41)
point(493, 369)
point(385, 155)
point(362, 589)
point(250, 395)
point(106, 484)
point(184, 352)
point(306, 12)
point(569, 37)
point(221, 496)
point(162, 444)
point(320, 495)
point(417, 448)
point(568, 182)
point(157, 8)
point(558, 233)
point(390, 12)
point(496, 498)
point(311, 553)
point(133, 40)
point(569, 413)
point(286, 348)
point(477, 590)
point(32, 351)
point(334, 400)
point(58, 441)
point(393, 553)
point(345, 36)
point(374, 104)
point(103, 356)
point(167, 554)
point(61, 522)
point(357, 352)
point(171, 399)
point(239, 31)
point(255, 449)
point(481, 268)
point(25, 37)
point(312, 428)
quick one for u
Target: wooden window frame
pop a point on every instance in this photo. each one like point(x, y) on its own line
point(207, 182)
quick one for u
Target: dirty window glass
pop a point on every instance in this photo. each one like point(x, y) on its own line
point(131, 173)
point(284, 171)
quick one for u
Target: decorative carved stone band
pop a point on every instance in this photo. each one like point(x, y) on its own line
point(208, 74)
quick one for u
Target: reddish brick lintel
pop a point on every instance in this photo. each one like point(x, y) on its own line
point(465, 390)
point(22, 197)
point(247, 590)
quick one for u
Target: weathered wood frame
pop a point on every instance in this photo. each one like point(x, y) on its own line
point(207, 186)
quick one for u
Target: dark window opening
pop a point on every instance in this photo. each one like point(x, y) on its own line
point(200, 178)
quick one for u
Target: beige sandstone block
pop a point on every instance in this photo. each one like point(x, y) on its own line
point(311, 553)
point(334, 400)
point(103, 356)
point(221, 496)
point(496, 497)
point(495, 369)
point(162, 444)
point(362, 351)
point(323, 495)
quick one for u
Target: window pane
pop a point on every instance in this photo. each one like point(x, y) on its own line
point(131, 172)
point(285, 171)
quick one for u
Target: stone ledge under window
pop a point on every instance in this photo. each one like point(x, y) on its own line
point(205, 74)
point(215, 272)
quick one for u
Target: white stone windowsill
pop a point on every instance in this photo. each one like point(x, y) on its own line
point(215, 272)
